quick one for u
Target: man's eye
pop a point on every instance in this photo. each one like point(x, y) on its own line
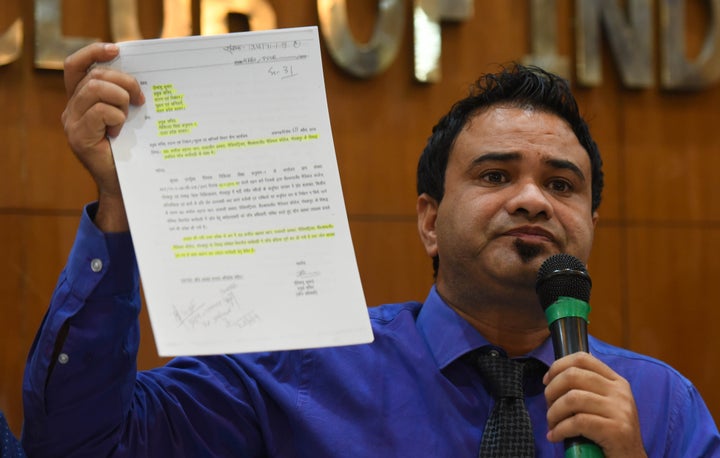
point(494, 177)
point(561, 186)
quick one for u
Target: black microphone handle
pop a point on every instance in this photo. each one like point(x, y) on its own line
point(569, 335)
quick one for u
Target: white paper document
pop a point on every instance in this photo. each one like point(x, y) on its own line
point(233, 195)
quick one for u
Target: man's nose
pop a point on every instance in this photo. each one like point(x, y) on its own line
point(530, 199)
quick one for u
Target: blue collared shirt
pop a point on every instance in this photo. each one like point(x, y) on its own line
point(408, 394)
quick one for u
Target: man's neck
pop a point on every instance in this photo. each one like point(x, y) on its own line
point(516, 328)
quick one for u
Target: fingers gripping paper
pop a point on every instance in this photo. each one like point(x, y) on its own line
point(233, 195)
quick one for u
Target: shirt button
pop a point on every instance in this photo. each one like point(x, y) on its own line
point(96, 265)
point(63, 358)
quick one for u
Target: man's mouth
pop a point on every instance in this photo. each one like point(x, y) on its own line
point(531, 234)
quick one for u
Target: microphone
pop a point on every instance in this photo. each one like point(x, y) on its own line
point(563, 287)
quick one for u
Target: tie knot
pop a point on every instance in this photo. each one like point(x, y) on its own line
point(508, 378)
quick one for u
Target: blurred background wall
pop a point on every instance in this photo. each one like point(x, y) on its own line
point(655, 259)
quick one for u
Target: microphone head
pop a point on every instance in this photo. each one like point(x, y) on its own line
point(562, 275)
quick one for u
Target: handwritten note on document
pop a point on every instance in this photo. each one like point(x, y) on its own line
point(233, 195)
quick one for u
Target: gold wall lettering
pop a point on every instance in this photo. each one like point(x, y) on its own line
point(11, 43)
point(677, 71)
point(214, 13)
point(368, 59)
point(630, 38)
point(125, 26)
point(427, 37)
point(51, 46)
point(544, 40)
point(627, 27)
point(630, 41)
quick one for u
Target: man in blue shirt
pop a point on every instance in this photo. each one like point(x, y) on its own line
point(509, 177)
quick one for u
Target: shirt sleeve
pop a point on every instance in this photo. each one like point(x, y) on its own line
point(83, 395)
point(80, 372)
point(691, 425)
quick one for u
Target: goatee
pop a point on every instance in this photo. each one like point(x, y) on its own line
point(527, 251)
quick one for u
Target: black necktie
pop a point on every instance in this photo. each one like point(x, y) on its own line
point(508, 432)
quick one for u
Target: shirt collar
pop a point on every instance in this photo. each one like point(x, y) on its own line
point(449, 336)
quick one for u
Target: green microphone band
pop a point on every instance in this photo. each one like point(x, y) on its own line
point(588, 450)
point(564, 307)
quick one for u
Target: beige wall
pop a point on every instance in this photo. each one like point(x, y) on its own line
point(656, 258)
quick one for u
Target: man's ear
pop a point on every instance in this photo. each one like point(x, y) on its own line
point(427, 210)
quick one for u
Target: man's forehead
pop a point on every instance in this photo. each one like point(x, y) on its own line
point(515, 130)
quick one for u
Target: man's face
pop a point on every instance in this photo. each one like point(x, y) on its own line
point(517, 190)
